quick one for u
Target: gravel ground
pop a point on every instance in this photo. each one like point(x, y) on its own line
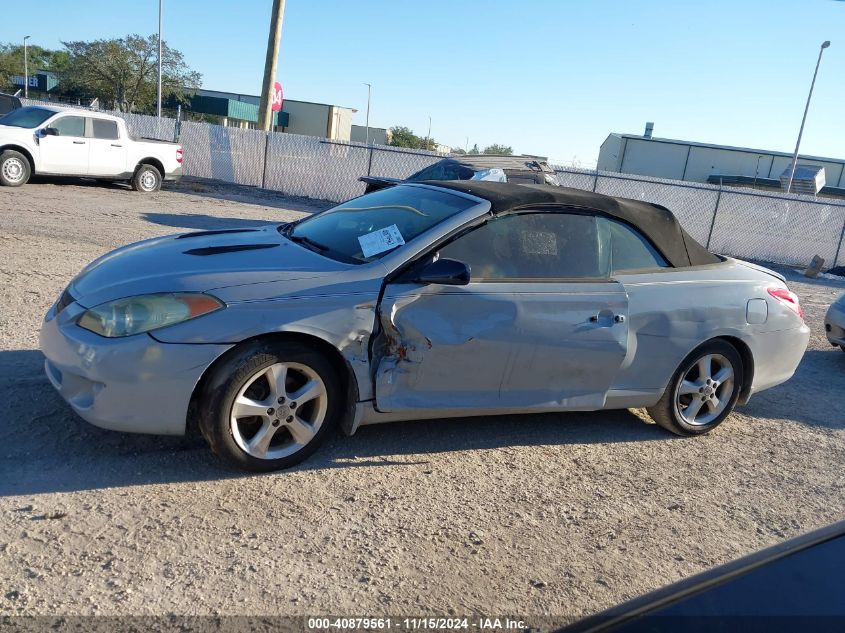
point(531, 515)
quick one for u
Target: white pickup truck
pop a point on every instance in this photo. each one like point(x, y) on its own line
point(64, 142)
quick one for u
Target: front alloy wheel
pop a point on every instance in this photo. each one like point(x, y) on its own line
point(267, 405)
point(278, 411)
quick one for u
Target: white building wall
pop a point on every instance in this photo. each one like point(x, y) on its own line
point(687, 161)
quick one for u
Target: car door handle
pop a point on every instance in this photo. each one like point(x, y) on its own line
point(79, 142)
point(617, 318)
point(116, 145)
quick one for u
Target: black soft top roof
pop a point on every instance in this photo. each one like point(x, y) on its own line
point(658, 223)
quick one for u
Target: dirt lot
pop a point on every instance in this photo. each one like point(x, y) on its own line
point(540, 514)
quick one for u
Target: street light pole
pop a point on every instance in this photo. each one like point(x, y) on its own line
point(369, 88)
point(804, 119)
point(158, 90)
point(428, 136)
point(25, 70)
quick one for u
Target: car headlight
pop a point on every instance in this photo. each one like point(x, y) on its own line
point(133, 315)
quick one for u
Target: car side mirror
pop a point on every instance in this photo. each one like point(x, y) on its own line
point(50, 131)
point(449, 272)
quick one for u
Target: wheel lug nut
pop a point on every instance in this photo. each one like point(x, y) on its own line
point(290, 418)
point(293, 405)
point(270, 411)
point(275, 423)
point(281, 400)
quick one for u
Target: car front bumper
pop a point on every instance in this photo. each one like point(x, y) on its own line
point(133, 384)
point(834, 324)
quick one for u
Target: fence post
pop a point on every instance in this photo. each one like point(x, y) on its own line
point(596, 180)
point(370, 163)
point(266, 150)
point(839, 246)
point(715, 211)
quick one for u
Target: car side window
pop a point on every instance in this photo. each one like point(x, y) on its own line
point(104, 129)
point(531, 246)
point(70, 126)
point(629, 249)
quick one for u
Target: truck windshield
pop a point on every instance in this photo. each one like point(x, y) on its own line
point(28, 117)
point(366, 228)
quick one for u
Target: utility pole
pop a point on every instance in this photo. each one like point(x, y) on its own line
point(158, 89)
point(428, 136)
point(265, 110)
point(25, 70)
point(369, 88)
point(803, 120)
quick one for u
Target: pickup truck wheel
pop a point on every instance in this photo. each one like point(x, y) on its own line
point(146, 179)
point(14, 169)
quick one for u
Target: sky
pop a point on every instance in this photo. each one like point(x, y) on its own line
point(547, 77)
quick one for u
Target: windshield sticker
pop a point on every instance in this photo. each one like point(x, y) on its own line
point(381, 240)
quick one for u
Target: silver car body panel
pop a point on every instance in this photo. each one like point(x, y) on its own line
point(134, 384)
point(414, 351)
point(834, 322)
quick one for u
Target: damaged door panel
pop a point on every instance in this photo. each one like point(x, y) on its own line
point(491, 346)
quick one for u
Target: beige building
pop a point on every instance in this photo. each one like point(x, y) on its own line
point(297, 117)
point(378, 135)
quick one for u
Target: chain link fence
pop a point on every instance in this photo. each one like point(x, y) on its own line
point(787, 229)
point(752, 224)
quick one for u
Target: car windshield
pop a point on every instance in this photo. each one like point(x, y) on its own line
point(366, 228)
point(28, 117)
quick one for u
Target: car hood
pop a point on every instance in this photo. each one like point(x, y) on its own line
point(204, 261)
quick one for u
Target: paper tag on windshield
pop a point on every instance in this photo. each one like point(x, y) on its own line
point(381, 240)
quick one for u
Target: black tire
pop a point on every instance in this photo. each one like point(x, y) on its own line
point(237, 372)
point(147, 179)
point(14, 169)
point(668, 410)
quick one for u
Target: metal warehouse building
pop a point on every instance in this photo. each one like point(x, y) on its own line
point(703, 162)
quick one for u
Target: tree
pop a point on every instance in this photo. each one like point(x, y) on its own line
point(502, 150)
point(402, 136)
point(474, 149)
point(38, 58)
point(458, 151)
point(124, 72)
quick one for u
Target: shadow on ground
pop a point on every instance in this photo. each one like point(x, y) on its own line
point(247, 195)
point(47, 448)
point(203, 222)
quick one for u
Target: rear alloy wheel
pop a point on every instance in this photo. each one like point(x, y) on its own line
point(275, 405)
point(14, 169)
point(703, 391)
point(147, 179)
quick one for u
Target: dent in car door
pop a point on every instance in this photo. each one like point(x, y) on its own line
point(499, 346)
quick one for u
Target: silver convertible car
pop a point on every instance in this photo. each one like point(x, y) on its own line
point(423, 300)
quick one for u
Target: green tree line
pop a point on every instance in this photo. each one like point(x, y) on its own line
point(121, 72)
